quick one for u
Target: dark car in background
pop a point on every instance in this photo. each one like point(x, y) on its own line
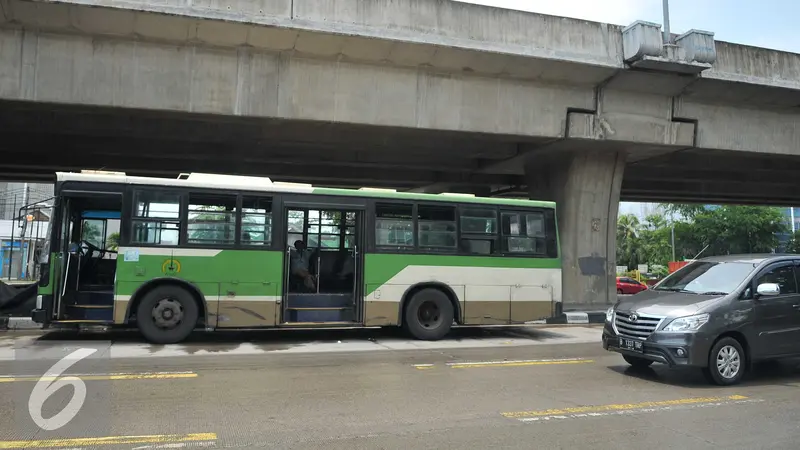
point(719, 314)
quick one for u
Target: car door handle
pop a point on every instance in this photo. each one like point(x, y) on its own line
point(796, 306)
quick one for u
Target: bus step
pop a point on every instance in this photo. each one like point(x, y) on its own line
point(104, 298)
point(320, 300)
point(320, 315)
point(90, 312)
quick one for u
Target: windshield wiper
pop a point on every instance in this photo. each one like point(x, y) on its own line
point(714, 293)
point(675, 290)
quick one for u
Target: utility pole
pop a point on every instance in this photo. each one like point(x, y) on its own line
point(673, 242)
point(667, 34)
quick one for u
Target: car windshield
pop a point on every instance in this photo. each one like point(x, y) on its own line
point(703, 277)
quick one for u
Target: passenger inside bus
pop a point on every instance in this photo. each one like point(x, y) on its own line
point(301, 265)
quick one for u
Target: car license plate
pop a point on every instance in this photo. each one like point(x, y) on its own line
point(631, 344)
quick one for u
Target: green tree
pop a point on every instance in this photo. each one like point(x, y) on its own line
point(655, 240)
point(740, 229)
point(726, 229)
point(793, 246)
point(112, 242)
point(92, 232)
point(628, 244)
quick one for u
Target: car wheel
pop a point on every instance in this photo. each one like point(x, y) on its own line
point(619, 291)
point(637, 362)
point(726, 362)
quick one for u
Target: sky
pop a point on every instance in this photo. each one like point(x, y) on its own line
point(765, 23)
point(771, 24)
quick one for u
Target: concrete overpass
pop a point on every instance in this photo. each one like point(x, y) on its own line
point(418, 94)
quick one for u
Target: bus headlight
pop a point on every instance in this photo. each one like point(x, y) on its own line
point(38, 302)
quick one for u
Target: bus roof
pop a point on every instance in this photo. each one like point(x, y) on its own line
point(264, 184)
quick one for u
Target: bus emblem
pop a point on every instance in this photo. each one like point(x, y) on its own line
point(171, 267)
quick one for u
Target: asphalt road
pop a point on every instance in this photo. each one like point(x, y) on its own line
point(531, 388)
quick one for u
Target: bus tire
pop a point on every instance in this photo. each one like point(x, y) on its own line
point(167, 315)
point(428, 315)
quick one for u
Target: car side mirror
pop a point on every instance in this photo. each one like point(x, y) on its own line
point(768, 289)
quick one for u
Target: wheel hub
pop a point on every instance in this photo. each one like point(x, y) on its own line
point(429, 315)
point(167, 313)
point(728, 362)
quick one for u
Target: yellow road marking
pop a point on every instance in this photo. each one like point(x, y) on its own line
point(111, 440)
point(518, 363)
point(530, 362)
point(114, 376)
point(621, 406)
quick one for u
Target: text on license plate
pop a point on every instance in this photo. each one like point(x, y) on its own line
point(630, 344)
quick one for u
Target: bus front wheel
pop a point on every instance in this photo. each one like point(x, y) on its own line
point(167, 315)
point(428, 315)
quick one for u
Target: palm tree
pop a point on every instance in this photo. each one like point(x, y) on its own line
point(627, 240)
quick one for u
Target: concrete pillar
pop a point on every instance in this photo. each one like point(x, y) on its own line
point(585, 186)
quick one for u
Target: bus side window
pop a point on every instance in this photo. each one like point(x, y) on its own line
point(478, 230)
point(437, 227)
point(156, 218)
point(394, 225)
point(257, 221)
point(524, 233)
point(212, 220)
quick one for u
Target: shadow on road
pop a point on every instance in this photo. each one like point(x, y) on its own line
point(786, 372)
point(297, 337)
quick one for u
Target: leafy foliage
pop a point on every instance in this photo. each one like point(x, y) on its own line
point(112, 242)
point(793, 246)
point(725, 229)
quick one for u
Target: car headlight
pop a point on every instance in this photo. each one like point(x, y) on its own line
point(610, 314)
point(688, 323)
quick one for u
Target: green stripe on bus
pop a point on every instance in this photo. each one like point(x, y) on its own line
point(247, 272)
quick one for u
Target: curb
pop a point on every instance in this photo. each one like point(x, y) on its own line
point(18, 323)
point(578, 318)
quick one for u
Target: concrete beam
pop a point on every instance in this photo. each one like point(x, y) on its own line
point(750, 65)
point(442, 34)
point(625, 116)
point(76, 69)
point(445, 35)
point(738, 127)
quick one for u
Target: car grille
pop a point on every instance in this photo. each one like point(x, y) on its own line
point(642, 327)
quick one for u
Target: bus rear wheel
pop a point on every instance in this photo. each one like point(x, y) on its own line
point(428, 315)
point(167, 315)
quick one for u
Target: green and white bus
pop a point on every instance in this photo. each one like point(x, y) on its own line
point(214, 252)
